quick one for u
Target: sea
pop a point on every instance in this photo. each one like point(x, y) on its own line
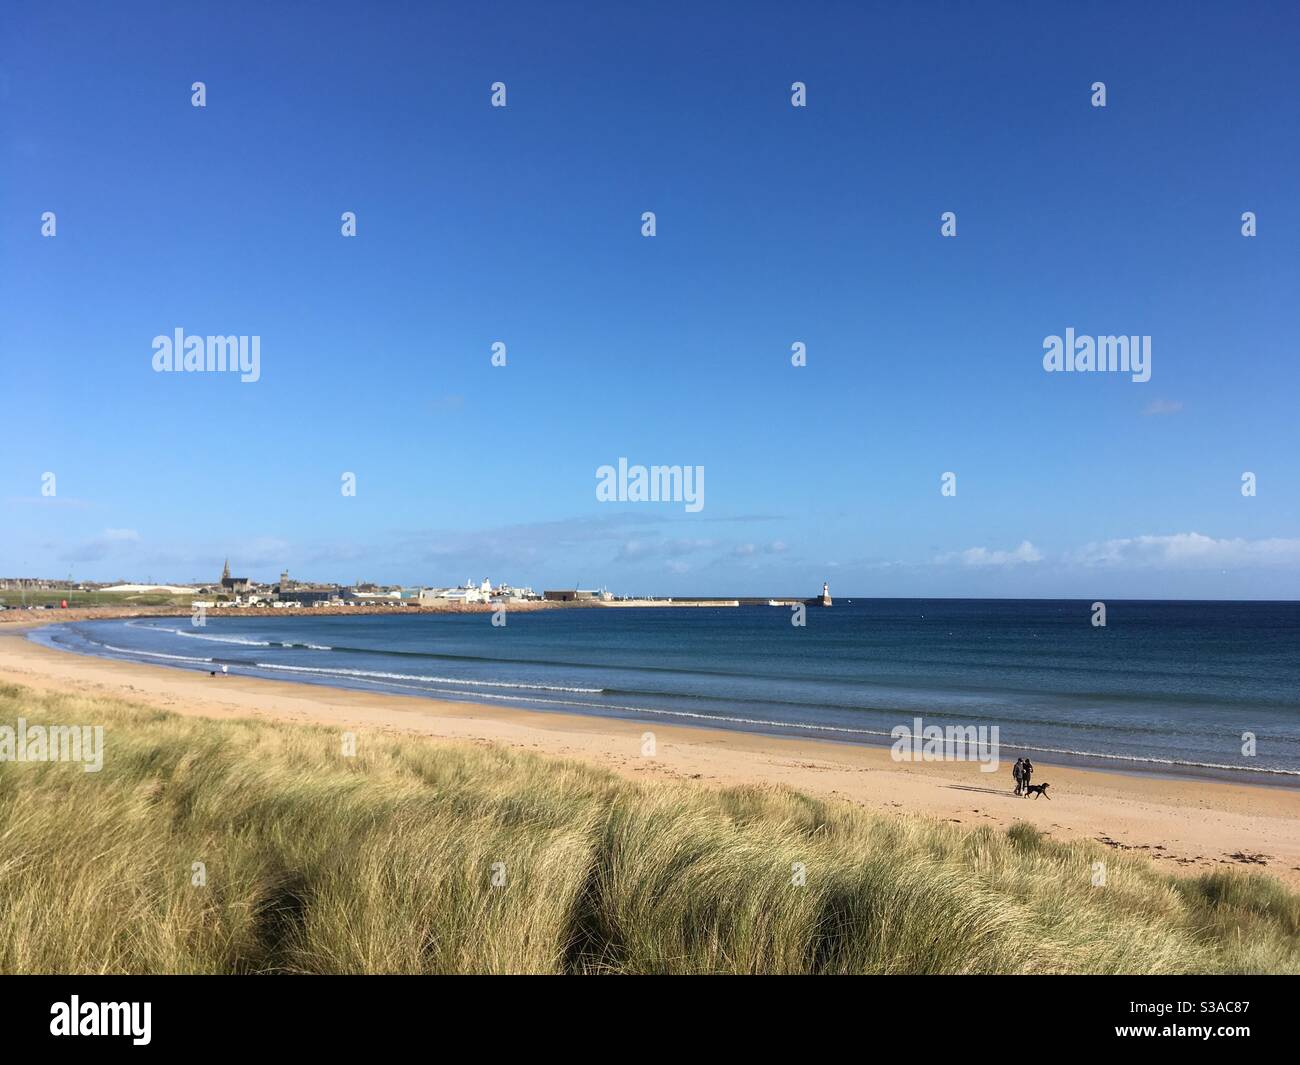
point(1188, 688)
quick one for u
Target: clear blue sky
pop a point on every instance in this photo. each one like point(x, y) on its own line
point(775, 225)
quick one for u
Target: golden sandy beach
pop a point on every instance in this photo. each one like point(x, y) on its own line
point(1184, 825)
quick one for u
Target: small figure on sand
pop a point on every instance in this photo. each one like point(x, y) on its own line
point(1026, 772)
point(1018, 774)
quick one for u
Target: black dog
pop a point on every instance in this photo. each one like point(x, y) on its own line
point(1038, 789)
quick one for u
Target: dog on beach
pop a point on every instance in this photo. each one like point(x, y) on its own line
point(1037, 790)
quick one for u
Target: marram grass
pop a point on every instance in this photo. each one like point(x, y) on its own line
point(385, 863)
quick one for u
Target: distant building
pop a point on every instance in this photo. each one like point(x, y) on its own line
point(233, 585)
point(372, 594)
point(306, 595)
point(577, 595)
point(295, 593)
point(468, 593)
point(514, 595)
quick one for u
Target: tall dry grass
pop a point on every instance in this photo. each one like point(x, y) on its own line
point(384, 863)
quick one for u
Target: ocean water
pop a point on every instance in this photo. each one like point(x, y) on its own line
point(1165, 686)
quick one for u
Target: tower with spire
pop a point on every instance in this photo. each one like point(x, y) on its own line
point(233, 585)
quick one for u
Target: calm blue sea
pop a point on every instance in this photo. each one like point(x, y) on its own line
point(1165, 686)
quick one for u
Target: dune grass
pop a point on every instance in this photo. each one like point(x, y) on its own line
point(415, 856)
point(16, 598)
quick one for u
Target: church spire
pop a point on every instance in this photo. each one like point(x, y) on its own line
point(225, 570)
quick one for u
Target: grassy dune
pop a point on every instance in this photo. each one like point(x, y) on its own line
point(17, 597)
point(383, 862)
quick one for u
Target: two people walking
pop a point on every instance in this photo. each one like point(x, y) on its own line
point(1021, 773)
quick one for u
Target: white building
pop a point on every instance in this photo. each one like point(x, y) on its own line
point(467, 593)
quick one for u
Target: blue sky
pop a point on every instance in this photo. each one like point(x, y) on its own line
point(775, 224)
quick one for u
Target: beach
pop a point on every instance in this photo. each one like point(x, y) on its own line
point(1183, 825)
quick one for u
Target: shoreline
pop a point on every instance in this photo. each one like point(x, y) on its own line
point(36, 617)
point(1154, 768)
point(1187, 825)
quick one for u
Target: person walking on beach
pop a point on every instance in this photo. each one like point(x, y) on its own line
point(1017, 774)
point(1026, 771)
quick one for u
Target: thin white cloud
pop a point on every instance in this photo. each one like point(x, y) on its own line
point(1163, 406)
point(109, 543)
point(1191, 550)
point(982, 556)
point(642, 550)
point(776, 547)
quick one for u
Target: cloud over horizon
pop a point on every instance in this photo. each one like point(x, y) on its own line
point(1189, 550)
point(982, 556)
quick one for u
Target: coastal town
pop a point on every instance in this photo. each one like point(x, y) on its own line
point(234, 592)
point(231, 592)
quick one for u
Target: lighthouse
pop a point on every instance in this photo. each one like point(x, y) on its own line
point(826, 593)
